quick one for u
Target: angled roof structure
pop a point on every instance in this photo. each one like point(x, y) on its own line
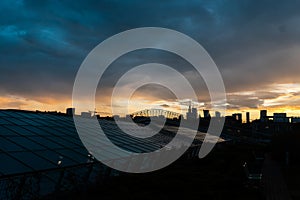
point(46, 148)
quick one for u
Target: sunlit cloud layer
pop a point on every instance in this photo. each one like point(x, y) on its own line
point(255, 45)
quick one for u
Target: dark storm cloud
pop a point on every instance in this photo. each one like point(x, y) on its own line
point(254, 43)
point(243, 101)
point(155, 93)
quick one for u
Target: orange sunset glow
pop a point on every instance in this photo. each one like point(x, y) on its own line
point(279, 98)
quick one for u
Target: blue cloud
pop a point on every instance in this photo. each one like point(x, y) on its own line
point(46, 41)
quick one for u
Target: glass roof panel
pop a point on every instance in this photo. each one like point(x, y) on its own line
point(3, 121)
point(73, 138)
point(11, 166)
point(66, 130)
point(52, 138)
point(9, 113)
point(65, 142)
point(7, 132)
point(74, 155)
point(6, 145)
point(46, 142)
point(20, 130)
point(2, 114)
point(52, 131)
point(16, 121)
point(26, 143)
point(37, 130)
point(41, 122)
point(26, 115)
point(33, 160)
point(56, 157)
point(30, 121)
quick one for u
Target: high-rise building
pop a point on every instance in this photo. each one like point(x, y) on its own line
point(248, 117)
point(217, 114)
point(237, 117)
point(192, 113)
point(263, 115)
point(206, 114)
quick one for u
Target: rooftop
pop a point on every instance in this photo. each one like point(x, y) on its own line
point(48, 145)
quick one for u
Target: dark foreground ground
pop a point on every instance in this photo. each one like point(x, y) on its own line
point(218, 176)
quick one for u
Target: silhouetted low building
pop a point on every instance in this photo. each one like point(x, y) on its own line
point(280, 117)
point(116, 117)
point(238, 117)
point(70, 111)
point(295, 119)
point(86, 114)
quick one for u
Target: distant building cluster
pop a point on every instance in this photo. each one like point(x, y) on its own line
point(277, 117)
point(192, 114)
point(266, 125)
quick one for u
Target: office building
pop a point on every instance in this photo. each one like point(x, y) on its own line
point(192, 114)
point(206, 114)
point(248, 117)
point(217, 114)
point(280, 118)
point(263, 115)
point(238, 117)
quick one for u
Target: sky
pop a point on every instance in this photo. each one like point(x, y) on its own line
point(255, 44)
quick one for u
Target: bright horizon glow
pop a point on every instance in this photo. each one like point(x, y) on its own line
point(286, 100)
